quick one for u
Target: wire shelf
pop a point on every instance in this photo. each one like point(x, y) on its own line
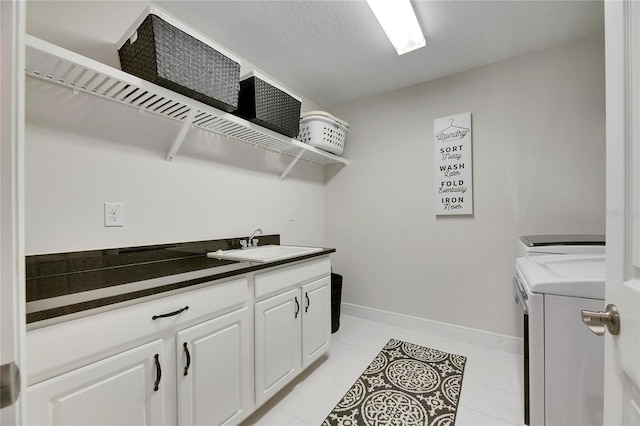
point(54, 64)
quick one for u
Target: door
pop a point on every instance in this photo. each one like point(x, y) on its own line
point(214, 370)
point(316, 320)
point(622, 351)
point(12, 297)
point(124, 389)
point(278, 342)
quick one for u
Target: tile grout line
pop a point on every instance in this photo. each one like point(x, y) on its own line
point(493, 387)
point(503, 418)
point(298, 417)
point(489, 415)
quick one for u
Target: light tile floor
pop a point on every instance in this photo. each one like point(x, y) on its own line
point(491, 388)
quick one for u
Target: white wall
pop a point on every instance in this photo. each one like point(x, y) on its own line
point(82, 151)
point(538, 168)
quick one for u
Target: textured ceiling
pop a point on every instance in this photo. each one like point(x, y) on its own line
point(334, 52)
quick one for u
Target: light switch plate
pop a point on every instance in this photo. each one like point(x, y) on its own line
point(113, 214)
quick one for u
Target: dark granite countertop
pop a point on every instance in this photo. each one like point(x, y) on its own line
point(65, 283)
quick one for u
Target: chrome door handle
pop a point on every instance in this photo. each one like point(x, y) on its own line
point(598, 320)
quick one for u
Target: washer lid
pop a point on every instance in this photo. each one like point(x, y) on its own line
point(566, 275)
point(531, 245)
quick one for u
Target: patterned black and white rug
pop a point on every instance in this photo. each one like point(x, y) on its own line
point(404, 385)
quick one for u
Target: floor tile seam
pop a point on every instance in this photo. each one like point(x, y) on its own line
point(489, 415)
point(422, 334)
point(352, 365)
point(465, 378)
point(351, 345)
point(360, 348)
point(497, 362)
point(344, 365)
point(325, 387)
point(490, 352)
point(504, 418)
point(493, 386)
point(483, 365)
point(340, 393)
point(444, 341)
point(493, 353)
point(437, 347)
point(367, 329)
point(302, 421)
point(365, 332)
point(439, 340)
point(479, 371)
point(355, 344)
point(390, 335)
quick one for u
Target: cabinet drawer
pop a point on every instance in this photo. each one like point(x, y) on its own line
point(61, 347)
point(273, 281)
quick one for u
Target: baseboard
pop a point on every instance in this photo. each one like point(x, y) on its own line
point(487, 339)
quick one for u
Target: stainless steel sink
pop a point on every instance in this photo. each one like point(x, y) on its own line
point(263, 254)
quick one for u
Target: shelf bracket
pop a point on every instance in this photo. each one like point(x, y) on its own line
point(188, 121)
point(293, 163)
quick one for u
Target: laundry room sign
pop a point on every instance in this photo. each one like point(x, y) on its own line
point(453, 165)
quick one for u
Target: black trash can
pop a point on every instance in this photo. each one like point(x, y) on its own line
point(336, 298)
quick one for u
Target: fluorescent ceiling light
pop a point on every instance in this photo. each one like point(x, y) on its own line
point(400, 23)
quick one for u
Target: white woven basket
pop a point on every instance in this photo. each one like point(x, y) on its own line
point(324, 131)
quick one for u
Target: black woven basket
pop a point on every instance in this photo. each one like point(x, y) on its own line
point(268, 106)
point(171, 58)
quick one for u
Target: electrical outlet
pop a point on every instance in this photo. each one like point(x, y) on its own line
point(292, 215)
point(113, 214)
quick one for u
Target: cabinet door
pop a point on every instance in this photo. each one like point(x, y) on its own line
point(316, 320)
point(124, 389)
point(214, 370)
point(277, 342)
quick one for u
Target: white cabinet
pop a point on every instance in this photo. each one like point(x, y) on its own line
point(126, 366)
point(214, 370)
point(316, 320)
point(292, 327)
point(124, 389)
point(278, 348)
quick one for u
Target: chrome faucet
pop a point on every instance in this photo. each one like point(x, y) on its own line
point(250, 242)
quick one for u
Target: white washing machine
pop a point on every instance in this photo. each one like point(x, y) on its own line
point(555, 278)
